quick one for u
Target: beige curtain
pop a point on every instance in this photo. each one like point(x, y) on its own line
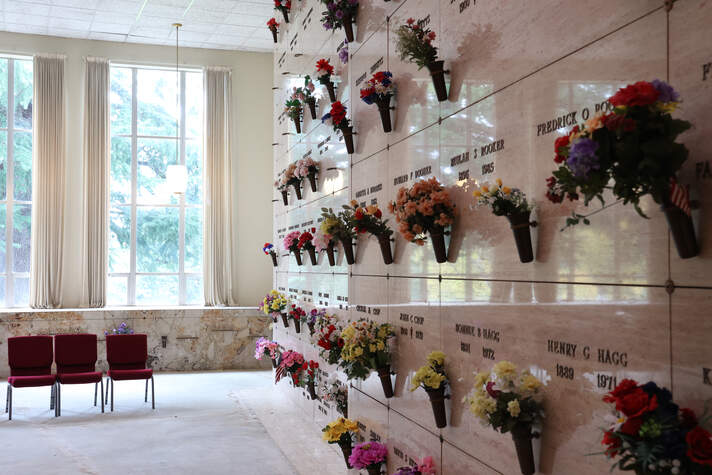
point(48, 155)
point(97, 146)
point(218, 232)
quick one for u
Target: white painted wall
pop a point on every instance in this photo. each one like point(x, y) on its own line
point(252, 151)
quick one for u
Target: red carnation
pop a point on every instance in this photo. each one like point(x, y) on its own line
point(614, 122)
point(612, 442)
point(324, 65)
point(558, 144)
point(636, 403)
point(378, 214)
point(632, 426)
point(431, 35)
point(492, 392)
point(699, 443)
point(410, 21)
point(642, 93)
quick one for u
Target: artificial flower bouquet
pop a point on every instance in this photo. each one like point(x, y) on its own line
point(305, 242)
point(366, 348)
point(291, 244)
point(509, 401)
point(293, 107)
point(313, 317)
point(283, 6)
point(273, 27)
point(268, 249)
point(267, 347)
point(340, 14)
point(328, 339)
point(309, 169)
point(325, 242)
point(370, 220)
point(290, 178)
point(433, 379)
point(274, 304)
point(342, 432)
point(298, 315)
point(425, 208)
point(339, 121)
point(281, 185)
point(369, 455)
point(291, 363)
point(511, 203)
point(425, 467)
point(652, 435)
point(379, 90)
point(333, 390)
point(309, 97)
point(631, 151)
point(324, 71)
point(122, 329)
point(339, 227)
point(309, 371)
point(414, 43)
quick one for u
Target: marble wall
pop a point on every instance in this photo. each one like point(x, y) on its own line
point(195, 338)
point(617, 289)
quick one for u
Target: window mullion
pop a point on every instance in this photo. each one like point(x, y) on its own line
point(134, 173)
point(9, 187)
point(182, 284)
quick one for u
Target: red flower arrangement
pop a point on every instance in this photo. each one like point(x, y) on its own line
point(651, 431)
point(284, 6)
point(298, 313)
point(330, 342)
point(273, 25)
point(324, 69)
point(305, 240)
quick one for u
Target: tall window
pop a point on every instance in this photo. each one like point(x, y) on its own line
point(15, 180)
point(156, 236)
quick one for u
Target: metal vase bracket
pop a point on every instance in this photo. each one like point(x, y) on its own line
point(274, 33)
point(348, 250)
point(332, 92)
point(438, 240)
point(437, 72)
point(298, 190)
point(312, 182)
point(437, 401)
point(297, 124)
point(348, 133)
point(285, 320)
point(312, 255)
point(682, 230)
point(384, 108)
point(311, 102)
point(286, 15)
point(385, 376)
point(522, 235)
point(522, 436)
point(285, 197)
point(385, 243)
point(298, 257)
point(348, 22)
point(273, 255)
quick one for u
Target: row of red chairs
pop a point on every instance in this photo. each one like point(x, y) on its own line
point(31, 357)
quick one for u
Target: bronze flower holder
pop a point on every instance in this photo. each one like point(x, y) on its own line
point(285, 12)
point(438, 239)
point(385, 375)
point(385, 243)
point(384, 108)
point(273, 255)
point(348, 133)
point(297, 325)
point(346, 449)
point(273, 29)
point(682, 230)
point(522, 236)
point(522, 436)
point(437, 401)
point(312, 255)
point(298, 257)
point(312, 181)
point(437, 72)
point(285, 320)
point(348, 22)
point(348, 250)
point(285, 197)
point(311, 102)
point(330, 253)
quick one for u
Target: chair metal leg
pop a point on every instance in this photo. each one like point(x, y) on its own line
point(145, 397)
point(52, 395)
point(153, 394)
point(9, 398)
point(58, 404)
point(96, 386)
point(112, 394)
point(102, 395)
point(107, 390)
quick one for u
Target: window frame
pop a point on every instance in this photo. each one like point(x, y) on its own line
point(9, 201)
point(134, 205)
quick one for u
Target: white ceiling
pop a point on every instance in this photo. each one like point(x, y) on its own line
point(218, 24)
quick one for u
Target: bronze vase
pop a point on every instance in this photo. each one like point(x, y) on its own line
point(522, 235)
point(437, 401)
point(437, 72)
point(438, 240)
point(348, 250)
point(384, 108)
point(385, 376)
point(682, 230)
point(330, 253)
point(522, 436)
point(348, 133)
point(385, 243)
point(312, 255)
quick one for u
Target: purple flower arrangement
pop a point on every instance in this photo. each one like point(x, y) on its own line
point(122, 329)
point(344, 53)
point(582, 157)
point(426, 467)
point(339, 14)
point(368, 455)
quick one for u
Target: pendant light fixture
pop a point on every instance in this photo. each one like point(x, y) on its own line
point(177, 174)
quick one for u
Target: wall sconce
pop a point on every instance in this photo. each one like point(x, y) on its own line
point(177, 179)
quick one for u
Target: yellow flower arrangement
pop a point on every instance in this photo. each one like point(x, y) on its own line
point(365, 347)
point(431, 376)
point(274, 302)
point(503, 398)
point(335, 430)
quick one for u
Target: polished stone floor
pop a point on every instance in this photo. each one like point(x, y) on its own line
point(204, 423)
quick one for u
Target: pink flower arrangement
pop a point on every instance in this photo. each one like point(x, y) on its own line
point(368, 454)
point(291, 241)
point(321, 241)
point(305, 167)
point(424, 208)
point(263, 346)
point(290, 364)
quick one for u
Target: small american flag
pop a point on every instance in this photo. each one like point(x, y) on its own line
point(680, 196)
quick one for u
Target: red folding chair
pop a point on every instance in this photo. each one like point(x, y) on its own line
point(75, 356)
point(30, 359)
point(127, 355)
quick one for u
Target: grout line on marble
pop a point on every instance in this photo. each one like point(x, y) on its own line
point(470, 455)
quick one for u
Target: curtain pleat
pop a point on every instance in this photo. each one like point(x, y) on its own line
point(218, 233)
point(97, 143)
point(48, 181)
